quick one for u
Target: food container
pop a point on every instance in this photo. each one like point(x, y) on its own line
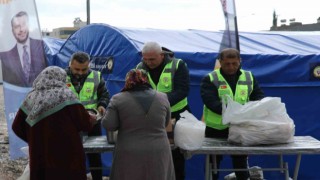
point(112, 137)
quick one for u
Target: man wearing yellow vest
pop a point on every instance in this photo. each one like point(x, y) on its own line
point(89, 87)
point(230, 80)
point(171, 76)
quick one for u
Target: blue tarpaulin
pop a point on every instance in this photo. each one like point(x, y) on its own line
point(284, 63)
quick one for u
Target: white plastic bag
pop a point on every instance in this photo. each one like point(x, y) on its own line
point(258, 122)
point(261, 132)
point(26, 173)
point(189, 132)
point(235, 112)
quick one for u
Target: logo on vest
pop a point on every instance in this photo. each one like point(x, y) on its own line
point(223, 87)
point(165, 79)
point(88, 90)
point(243, 92)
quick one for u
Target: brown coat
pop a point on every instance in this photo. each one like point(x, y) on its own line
point(55, 147)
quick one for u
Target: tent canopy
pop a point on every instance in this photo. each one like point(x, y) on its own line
point(289, 55)
point(284, 63)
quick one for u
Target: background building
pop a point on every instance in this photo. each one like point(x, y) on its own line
point(65, 32)
point(293, 25)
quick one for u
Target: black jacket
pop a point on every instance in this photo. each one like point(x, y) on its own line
point(210, 96)
point(180, 82)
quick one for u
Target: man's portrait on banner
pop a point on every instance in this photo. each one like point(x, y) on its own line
point(22, 64)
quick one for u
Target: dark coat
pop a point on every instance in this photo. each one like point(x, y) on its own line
point(210, 98)
point(55, 147)
point(102, 91)
point(180, 82)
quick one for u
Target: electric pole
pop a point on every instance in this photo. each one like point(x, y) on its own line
point(88, 12)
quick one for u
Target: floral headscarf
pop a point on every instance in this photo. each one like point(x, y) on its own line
point(49, 94)
point(136, 78)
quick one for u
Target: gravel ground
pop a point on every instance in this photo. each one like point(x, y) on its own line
point(11, 169)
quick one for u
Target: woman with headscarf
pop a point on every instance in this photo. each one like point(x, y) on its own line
point(49, 120)
point(140, 114)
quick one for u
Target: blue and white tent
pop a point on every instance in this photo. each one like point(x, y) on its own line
point(285, 64)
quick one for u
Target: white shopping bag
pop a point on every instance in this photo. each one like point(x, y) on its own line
point(189, 132)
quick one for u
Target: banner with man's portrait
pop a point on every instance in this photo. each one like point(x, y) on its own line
point(22, 58)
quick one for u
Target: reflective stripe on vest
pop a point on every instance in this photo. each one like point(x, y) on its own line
point(243, 90)
point(166, 84)
point(88, 94)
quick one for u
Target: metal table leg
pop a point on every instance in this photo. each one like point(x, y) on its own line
point(214, 164)
point(207, 168)
point(296, 169)
point(281, 161)
point(287, 170)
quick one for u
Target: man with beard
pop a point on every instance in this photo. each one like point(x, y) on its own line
point(22, 64)
point(89, 87)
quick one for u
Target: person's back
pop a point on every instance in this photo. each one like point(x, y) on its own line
point(142, 148)
point(49, 120)
point(56, 151)
point(136, 122)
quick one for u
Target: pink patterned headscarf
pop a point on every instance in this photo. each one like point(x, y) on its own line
point(136, 78)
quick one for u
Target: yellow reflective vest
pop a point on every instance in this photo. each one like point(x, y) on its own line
point(165, 83)
point(88, 94)
point(244, 88)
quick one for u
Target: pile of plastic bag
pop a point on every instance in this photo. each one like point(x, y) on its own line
point(258, 122)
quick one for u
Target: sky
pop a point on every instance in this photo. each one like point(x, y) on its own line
point(252, 15)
